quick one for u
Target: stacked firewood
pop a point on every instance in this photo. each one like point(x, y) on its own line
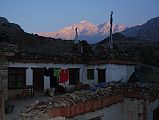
point(38, 110)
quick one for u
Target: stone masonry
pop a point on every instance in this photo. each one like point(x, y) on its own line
point(3, 84)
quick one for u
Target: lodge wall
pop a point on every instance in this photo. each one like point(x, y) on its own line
point(29, 71)
point(113, 72)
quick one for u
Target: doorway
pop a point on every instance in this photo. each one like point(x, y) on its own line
point(101, 75)
point(73, 76)
point(38, 80)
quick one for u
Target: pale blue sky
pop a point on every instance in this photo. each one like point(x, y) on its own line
point(51, 15)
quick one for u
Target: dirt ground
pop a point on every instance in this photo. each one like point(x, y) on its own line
point(21, 103)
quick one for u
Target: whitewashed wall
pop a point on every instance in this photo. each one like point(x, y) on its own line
point(118, 72)
point(87, 81)
point(29, 76)
point(129, 71)
point(29, 71)
point(46, 82)
point(114, 72)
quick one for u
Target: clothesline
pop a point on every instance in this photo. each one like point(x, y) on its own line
point(62, 75)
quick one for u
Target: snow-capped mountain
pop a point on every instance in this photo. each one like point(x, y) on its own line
point(86, 31)
point(105, 27)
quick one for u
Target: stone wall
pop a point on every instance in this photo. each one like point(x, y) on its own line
point(3, 84)
point(136, 109)
point(4, 76)
point(1, 101)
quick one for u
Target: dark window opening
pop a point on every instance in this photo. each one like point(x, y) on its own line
point(16, 77)
point(101, 75)
point(73, 76)
point(90, 74)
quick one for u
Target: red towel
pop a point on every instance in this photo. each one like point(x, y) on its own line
point(64, 75)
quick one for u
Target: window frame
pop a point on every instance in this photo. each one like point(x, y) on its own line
point(16, 77)
point(90, 74)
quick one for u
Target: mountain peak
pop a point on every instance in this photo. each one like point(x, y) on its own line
point(86, 31)
point(84, 21)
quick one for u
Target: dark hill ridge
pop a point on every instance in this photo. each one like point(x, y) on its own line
point(142, 51)
point(29, 42)
point(147, 31)
point(3, 20)
point(34, 47)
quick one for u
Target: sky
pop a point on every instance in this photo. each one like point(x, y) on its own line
point(51, 15)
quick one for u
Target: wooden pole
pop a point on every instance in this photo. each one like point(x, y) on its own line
point(111, 23)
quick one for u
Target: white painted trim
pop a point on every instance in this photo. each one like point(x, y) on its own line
point(29, 76)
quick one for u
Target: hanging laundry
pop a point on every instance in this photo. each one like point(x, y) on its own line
point(57, 73)
point(64, 75)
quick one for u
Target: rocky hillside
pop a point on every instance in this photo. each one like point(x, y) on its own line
point(86, 30)
point(3, 20)
point(34, 47)
point(147, 31)
point(132, 48)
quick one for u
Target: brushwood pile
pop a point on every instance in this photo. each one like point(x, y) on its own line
point(38, 110)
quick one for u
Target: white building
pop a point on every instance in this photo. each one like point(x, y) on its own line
point(32, 74)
